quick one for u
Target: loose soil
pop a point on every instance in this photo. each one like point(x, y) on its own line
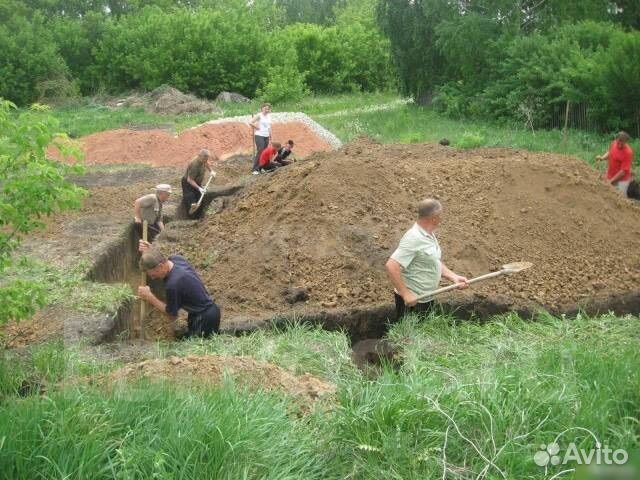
point(166, 100)
point(161, 148)
point(329, 223)
point(211, 369)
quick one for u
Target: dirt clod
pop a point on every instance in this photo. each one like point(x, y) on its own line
point(211, 369)
point(293, 295)
point(167, 100)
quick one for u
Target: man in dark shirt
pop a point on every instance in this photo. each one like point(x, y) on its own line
point(184, 289)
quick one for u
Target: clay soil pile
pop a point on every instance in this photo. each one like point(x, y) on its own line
point(211, 369)
point(328, 224)
point(160, 147)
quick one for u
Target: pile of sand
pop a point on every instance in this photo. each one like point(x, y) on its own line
point(210, 369)
point(329, 223)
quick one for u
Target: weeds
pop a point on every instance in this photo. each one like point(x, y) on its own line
point(67, 287)
point(470, 401)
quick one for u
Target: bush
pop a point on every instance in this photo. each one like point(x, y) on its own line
point(28, 56)
point(32, 186)
point(203, 51)
point(343, 58)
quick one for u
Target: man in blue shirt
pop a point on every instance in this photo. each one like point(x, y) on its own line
point(183, 288)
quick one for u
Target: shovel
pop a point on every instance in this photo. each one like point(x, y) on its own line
point(507, 269)
point(139, 329)
point(195, 206)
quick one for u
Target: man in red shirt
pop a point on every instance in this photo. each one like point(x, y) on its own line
point(267, 156)
point(620, 159)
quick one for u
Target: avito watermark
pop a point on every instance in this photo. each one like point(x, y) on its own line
point(551, 454)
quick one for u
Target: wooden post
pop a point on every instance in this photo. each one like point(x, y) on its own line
point(566, 125)
point(143, 282)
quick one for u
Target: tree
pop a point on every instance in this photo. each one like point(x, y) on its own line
point(31, 186)
point(410, 26)
point(28, 56)
point(308, 11)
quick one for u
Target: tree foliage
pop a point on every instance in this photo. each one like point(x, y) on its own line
point(509, 58)
point(199, 46)
point(32, 186)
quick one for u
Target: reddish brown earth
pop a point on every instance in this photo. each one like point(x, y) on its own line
point(329, 223)
point(161, 148)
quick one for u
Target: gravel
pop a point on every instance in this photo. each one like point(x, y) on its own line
point(287, 117)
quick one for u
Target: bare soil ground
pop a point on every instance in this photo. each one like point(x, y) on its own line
point(159, 147)
point(329, 223)
point(211, 369)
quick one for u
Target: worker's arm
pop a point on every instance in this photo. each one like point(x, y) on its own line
point(161, 225)
point(193, 183)
point(394, 271)
point(617, 177)
point(137, 211)
point(144, 292)
point(254, 122)
point(603, 157)
point(454, 277)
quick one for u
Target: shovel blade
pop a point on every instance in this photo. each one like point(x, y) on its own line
point(516, 267)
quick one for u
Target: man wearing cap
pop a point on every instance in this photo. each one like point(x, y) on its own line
point(193, 180)
point(149, 208)
point(183, 289)
point(416, 267)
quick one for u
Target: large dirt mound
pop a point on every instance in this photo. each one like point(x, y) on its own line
point(329, 223)
point(166, 100)
point(161, 148)
point(210, 369)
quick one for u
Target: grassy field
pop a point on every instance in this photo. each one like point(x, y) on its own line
point(384, 116)
point(469, 401)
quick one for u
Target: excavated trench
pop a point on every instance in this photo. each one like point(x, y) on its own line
point(365, 326)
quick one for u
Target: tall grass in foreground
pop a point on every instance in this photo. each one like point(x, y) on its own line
point(469, 401)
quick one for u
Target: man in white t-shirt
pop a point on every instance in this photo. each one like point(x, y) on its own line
point(416, 267)
point(261, 124)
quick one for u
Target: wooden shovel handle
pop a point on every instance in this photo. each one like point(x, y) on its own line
point(454, 286)
point(143, 282)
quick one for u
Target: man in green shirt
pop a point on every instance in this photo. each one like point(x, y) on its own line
point(415, 268)
point(193, 180)
point(149, 208)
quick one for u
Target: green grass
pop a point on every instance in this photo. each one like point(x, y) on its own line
point(383, 116)
point(86, 117)
point(67, 286)
point(478, 399)
point(415, 124)
point(483, 396)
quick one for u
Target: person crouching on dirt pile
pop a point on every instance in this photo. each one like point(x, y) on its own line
point(193, 180)
point(149, 208)
point(283, 153)
point(416, 266)
point(620, 159)
point(268, 156)
point(183, 288)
